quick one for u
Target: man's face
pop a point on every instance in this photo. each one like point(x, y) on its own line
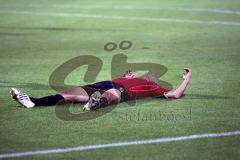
point(129, 75)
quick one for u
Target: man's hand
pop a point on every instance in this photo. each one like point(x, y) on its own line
point(170, 94)
point(187, 74)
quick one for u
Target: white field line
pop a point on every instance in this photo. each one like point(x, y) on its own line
point(119, 144)
point(80, 15)
point(210, 10)
point(77, 6)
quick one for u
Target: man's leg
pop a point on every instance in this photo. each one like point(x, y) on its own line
point(109, 97)
point(113, 96)
point(77, 94)
point(47, 101)
point(175, 94)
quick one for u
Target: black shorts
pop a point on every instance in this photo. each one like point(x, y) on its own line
point(104, 86)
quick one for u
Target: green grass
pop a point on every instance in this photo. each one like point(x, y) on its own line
point(32, 47)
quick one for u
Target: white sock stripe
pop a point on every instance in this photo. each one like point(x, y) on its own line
point(119, 144)
point(23, 96)
point(210, 22)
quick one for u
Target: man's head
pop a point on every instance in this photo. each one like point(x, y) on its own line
point(129, 74)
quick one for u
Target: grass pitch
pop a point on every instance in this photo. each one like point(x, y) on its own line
point(38, 36)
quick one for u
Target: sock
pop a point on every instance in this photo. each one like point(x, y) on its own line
point(47, 101)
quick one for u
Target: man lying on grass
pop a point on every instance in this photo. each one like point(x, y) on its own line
point(102, 94)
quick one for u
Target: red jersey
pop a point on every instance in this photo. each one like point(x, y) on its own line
point(140, 88)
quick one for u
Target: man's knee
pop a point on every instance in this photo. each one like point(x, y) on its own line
point(113, 95)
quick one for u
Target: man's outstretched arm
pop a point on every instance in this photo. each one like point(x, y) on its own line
point(175, 94)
